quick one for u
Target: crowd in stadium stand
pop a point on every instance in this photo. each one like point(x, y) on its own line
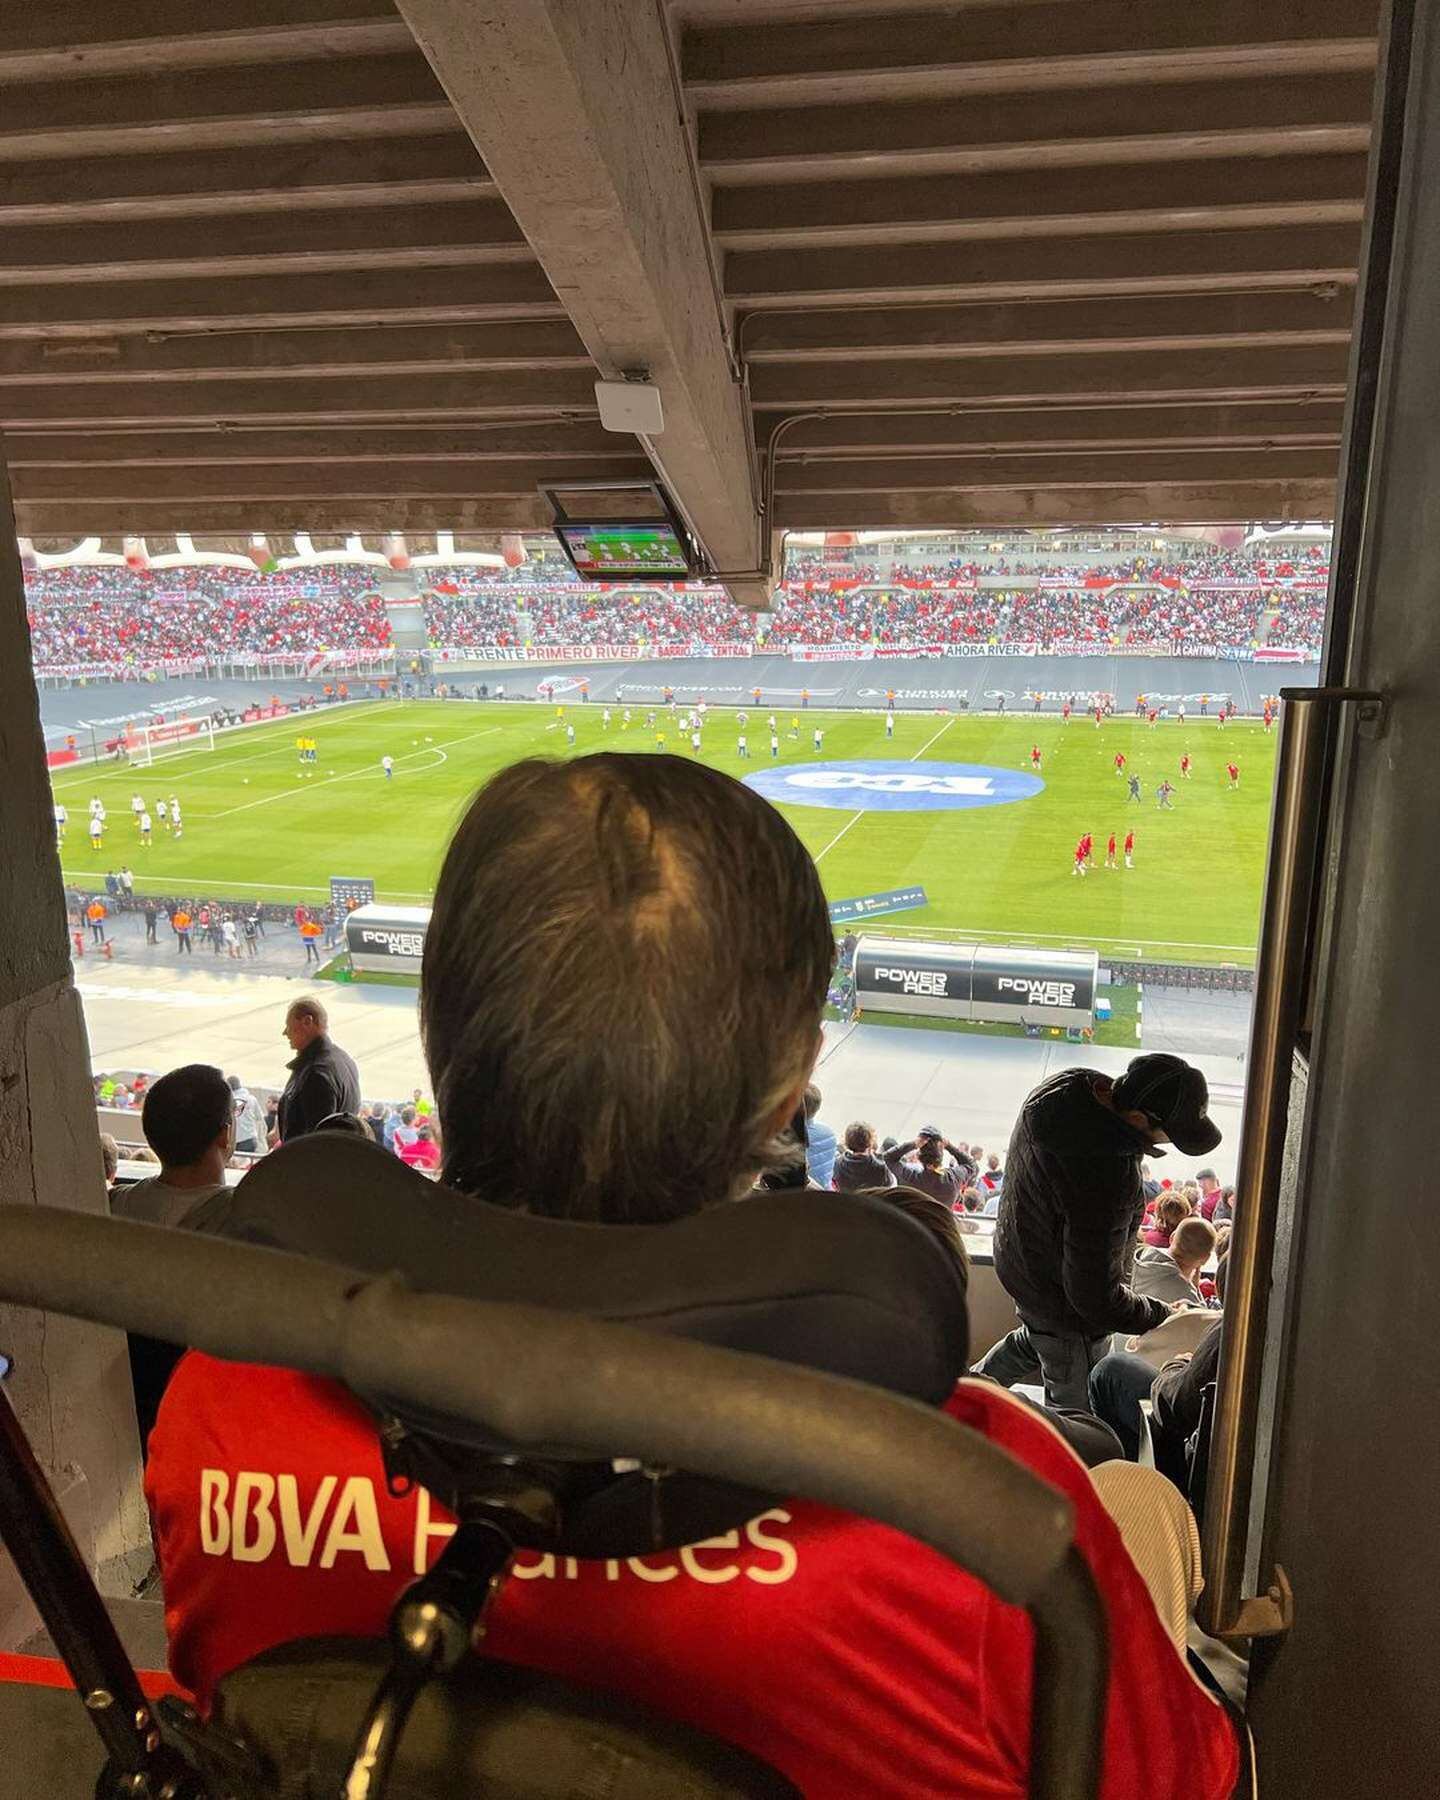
point(103, 616)
point(1132, 616)
point(114, 617)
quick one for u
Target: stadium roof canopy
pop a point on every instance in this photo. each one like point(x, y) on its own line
point(354, 265)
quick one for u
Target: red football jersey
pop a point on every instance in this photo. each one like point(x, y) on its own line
point(854, 1659)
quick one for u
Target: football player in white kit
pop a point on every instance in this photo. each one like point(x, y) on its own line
point(742, 747)
point(62, 819)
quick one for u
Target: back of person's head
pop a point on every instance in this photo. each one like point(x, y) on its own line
point(109, 1156)
point(308, 1007)
point(971, 1199)
point(1171, 1210)
point(622, 987)
point(349, 1123)
point(929, 1153)
point(933, 1214)
point(992, 1161)
point(407, 1115)
point(1192, 1242)
point(185, 1112)
point(859, 1138)
point(812, 1100)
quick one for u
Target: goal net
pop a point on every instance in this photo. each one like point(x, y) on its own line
point(147, 744)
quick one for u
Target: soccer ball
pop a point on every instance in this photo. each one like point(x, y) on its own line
point(429, 740)
point(245, 781)
point(414, 740)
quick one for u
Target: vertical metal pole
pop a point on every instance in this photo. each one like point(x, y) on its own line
point(1282, 966)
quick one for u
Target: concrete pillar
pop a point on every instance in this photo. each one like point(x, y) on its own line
point(1343, 1706)
point(70, 1383)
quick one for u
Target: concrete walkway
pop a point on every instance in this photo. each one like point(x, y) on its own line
point(150, 1009)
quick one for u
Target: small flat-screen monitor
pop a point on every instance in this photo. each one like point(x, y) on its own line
point(624, 549)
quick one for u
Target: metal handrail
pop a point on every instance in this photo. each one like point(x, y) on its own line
point(1282, 976)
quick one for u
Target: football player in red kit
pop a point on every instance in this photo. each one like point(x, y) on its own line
point(1110, 852)
point(1119, 762)
point(1034, 756)
point(1154, 715)
point(1233, 771)
point(1065, 713)
point(1080, 854)
point(1185, 765)
point(1129, 849)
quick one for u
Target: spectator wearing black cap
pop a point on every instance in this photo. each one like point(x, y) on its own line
point(1070, 1209)
point(933, 1165)
point(189, 1122)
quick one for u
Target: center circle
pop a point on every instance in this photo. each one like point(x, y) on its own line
point(893, 787)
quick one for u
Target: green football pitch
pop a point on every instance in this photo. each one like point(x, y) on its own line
point(258, 824)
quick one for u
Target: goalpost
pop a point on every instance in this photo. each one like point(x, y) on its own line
point(147, 744)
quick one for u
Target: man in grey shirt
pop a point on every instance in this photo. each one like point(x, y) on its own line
point(1172, 1274)
point(189, 1122)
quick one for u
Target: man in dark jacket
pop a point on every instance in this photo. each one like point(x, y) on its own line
point(1069, 1212)
point(323, 1079)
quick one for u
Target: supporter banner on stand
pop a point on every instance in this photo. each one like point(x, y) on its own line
point(563, 653)
point(1284, 653)
point(701, 651)
point(922, 650)
point(831, 652)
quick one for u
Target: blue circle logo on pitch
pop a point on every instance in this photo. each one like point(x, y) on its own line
point(893, 787)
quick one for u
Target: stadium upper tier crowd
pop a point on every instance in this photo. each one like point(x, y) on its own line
point(119, 617)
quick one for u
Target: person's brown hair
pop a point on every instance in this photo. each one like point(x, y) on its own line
point(859, 1137)
point(622, 984)
point(1171, 1210)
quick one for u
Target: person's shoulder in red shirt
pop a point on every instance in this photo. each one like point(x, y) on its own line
point(1159, 1237)
point(854, 1659)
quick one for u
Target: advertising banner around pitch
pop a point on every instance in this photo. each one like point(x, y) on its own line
point(977, 982)
point(387, 940)
point(869, 905)
point(350, 891)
